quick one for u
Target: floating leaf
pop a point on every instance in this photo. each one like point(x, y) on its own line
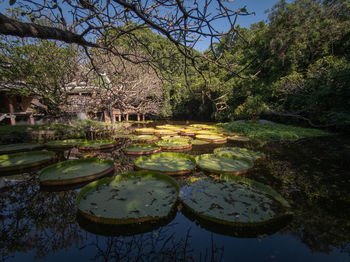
point(235, 202)
point(166, 162)
point(142, 196)
point(223, 164)
point(141, 149)
point(238, 152)
point(75, 171)
point(17, 161)
point(22, 147)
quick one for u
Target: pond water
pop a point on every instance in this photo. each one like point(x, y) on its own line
point(313, 175)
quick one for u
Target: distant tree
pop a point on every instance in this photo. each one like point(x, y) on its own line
point(38, 68)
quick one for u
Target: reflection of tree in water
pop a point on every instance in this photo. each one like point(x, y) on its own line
point(313, 177)
point(35, 220)
point(161, 245)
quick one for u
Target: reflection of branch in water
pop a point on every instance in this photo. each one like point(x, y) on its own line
point(31, 220)
point(160, 245)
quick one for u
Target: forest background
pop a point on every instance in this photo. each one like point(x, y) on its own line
point(293, 68)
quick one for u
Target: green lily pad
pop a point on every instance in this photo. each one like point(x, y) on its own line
point(166, 162)
point(63, 144)
point(223, 164)
point(96, 145)
point(141, 149)
point(215, 139)
point(208, 132)
point(187, 138)
point(23, 160)
point(145, 131)
point(23, 147)
point(75, 171)
point(199, 142)
point(203, 126)
point(144, 138)
point(235, 202)
point(238, 152)
point(165, 132)
point(174, 144)
point(170, 127)
point(128, 198)
point(188, 132)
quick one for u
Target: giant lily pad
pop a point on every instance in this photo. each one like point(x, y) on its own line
point(174, 144)
point(235, 202)
point(145, 131)
point(128, 198)
point(215, 139)
point(223, 164)
point(23, 147)
point(24, 160)
point(141, 149)
point(208, 132)
point(144, 138)
point(96, 145)
point(238, 152)
point(75, 171)
point(168, 163)
point(63, 144)
point(165, 132)
point(203, 126)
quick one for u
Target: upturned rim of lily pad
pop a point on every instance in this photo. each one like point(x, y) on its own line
point(19, 147)
point(144, 138)
point(48, 156)
point(190, 158)
point(145, 131)
point(165, 132)
point(174, 144)
point(144, 149)
point(239, 152)
point(286, 215)
point(215, 139)
point(87, 145)
point(76, 180)
point(63, 144)
point(117, 221)
point(201, 161)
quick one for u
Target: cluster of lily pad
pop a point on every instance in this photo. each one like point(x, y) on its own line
point(203, 132)
point(151, 193)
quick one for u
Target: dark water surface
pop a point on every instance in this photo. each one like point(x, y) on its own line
point(313, 175)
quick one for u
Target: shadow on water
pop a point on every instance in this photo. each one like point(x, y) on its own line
point(313, 175)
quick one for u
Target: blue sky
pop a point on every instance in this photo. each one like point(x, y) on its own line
point(256, 6)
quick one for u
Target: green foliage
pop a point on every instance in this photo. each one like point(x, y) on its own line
point(39, 68)
point(252, 108)
point(272, 132)
point(296, 66)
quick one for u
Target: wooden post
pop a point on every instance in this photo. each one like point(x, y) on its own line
point(143, 117)
point(12, 116)
point(105, 116)
point(31, 120)
point(127, 117)
point(138, 117)
point(113, 118)
point(119, 117)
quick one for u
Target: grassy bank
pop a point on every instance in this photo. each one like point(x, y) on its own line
point(272, 132)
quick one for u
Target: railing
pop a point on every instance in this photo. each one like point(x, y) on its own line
point(3, 116)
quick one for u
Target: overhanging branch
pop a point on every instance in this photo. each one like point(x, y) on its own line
point(9, 26)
